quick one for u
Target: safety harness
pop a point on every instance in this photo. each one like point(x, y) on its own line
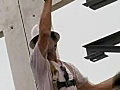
point(55, 74)
point(66, 84)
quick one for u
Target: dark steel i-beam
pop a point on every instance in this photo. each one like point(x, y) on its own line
point(96, 4)
point(96, 50)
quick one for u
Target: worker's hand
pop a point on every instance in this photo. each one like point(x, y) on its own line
point(116, 81)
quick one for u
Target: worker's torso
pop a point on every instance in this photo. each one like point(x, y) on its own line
point(41, 68)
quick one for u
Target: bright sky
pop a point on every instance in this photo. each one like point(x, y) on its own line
point(77, 26)
point(6, 80)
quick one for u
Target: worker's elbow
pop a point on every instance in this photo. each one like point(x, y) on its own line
point(45, 33)
point(45, 25)
point(103, 87)
point(96, 87)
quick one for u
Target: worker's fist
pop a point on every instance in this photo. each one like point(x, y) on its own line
point(116, 81)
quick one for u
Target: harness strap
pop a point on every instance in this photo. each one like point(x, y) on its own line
point(66, 83)
point(55, 74)
point(70, 68)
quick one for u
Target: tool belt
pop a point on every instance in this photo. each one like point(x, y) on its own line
point(66, 83)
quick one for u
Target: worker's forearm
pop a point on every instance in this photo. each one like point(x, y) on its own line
point(109, 84)
point(105, 85)
point(45, 21)
point(116, 80)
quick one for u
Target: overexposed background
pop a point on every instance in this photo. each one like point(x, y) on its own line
point(77, 25)
point(6, 80)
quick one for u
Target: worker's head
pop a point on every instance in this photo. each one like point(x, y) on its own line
point(54, 38)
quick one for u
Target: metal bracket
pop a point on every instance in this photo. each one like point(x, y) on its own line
point(96, 4)
point(96, 50)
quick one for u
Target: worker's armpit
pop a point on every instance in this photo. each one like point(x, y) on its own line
point(80, 79)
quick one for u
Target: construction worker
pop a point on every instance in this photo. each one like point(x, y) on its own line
point(51, 73)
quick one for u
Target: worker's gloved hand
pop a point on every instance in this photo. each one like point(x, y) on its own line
point(116, 81)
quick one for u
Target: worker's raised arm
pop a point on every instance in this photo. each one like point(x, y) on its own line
point(45, 27)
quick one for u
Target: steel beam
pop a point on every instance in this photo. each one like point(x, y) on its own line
point(103, 48)
point(96, 4)
point(96, 50)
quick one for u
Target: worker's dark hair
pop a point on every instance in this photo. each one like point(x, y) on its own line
point(55, 36)
point(35, 39)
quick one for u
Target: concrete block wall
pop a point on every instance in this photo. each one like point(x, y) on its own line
point(16, 20)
